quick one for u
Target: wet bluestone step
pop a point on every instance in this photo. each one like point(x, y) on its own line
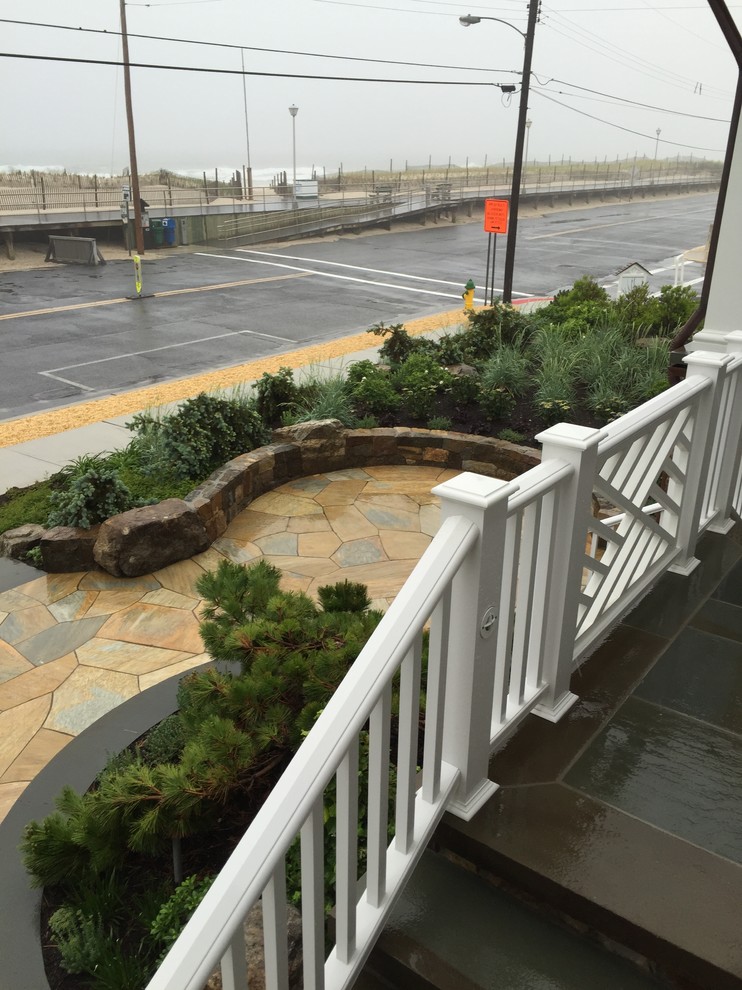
point(626, 815)
point(454, 931)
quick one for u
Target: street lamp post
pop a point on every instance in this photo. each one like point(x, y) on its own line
point(528, 36)
point(657, 143)
point(293, 110)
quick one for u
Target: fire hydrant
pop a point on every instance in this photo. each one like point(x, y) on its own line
point(468, 295)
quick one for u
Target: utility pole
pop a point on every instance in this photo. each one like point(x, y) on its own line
point(507, 286)
point(134, 176)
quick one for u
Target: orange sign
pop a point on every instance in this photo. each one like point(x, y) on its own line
point(496, 216)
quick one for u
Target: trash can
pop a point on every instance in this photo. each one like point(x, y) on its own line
point(157, 232)
point(168, 230)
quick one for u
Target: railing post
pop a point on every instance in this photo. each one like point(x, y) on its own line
point(713, 367)
point(731, 433)
point(475, 602)
point(578, 446)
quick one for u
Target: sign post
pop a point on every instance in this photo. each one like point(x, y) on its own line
point(495, 222)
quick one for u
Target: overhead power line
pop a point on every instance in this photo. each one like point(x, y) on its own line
point(246, 72)
point(629, 130)
point(252, 48)
point(633, 103)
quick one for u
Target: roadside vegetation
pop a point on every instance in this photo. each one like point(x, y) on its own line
point(583, 358)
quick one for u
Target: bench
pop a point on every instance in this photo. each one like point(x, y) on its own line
point(75, 250)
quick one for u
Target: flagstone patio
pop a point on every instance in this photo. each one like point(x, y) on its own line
point(74, 646)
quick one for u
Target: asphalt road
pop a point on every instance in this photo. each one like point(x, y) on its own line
point(70, 332)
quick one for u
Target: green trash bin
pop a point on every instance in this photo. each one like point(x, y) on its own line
point(158, 234)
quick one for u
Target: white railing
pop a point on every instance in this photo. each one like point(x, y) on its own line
point(510, 614)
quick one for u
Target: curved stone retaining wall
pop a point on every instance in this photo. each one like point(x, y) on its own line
point(146, 539)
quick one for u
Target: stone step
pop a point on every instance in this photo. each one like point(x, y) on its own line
point(452, 930)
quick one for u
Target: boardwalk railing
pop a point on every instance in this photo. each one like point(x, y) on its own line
point(513, 598)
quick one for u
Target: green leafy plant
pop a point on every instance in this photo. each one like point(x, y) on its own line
point(90, 498)
point(439, 423)
point(275, 394)
point(177, 909)
point(371, 390)
point(325, 398)
point(512, 436)
point(203, 434)
point(399, 345)
point(505, 377)
point(420, 379)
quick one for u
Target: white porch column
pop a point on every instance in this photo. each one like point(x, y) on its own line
point(722, 312)
point(729, 432)
point(475, 602)
point(696, 486)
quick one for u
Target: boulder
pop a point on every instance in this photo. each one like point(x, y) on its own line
point(146, 539)
point(17, 542)
point(255, 955)
point(317, 429)
point(66, 548)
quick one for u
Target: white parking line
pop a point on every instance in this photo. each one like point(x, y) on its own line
point(51, 372)
point(340, 264)
point(349, 278)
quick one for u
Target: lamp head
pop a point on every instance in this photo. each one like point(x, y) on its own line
point(468, 19)
point(293, 110)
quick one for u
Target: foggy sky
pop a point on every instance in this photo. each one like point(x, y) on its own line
point(670, 54)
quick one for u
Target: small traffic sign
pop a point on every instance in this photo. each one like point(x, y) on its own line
point(125, 212)
point(496, 216)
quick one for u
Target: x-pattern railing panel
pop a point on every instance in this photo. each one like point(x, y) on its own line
point(635, 472)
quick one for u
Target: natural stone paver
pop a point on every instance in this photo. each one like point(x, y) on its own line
point(87, 694)
point(171, 599)
point(180, 577)
point(279, 543)
point(278, 504)
point(12, 663)
point(430, 519)
point(36, 681)
point(340, 493)
point(384, 517)
point(21, 625)
point(172, 670)
point(308, 524)
point(43, 747)
point(360, 552)
point(307, 566)
point(108, 602)
point(318, 544)
point(102, 581)
point(403, 546)
point(250, 524)
point(150, 625)
point(348, 522)
point(18, 726)
point(95, 640)
point(51, 587)
point(130, 658)
point(240, 553)
point(54, 642)
point(73, 606)
point(14, 601)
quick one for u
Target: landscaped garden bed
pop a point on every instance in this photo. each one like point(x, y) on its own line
point(507, 376)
